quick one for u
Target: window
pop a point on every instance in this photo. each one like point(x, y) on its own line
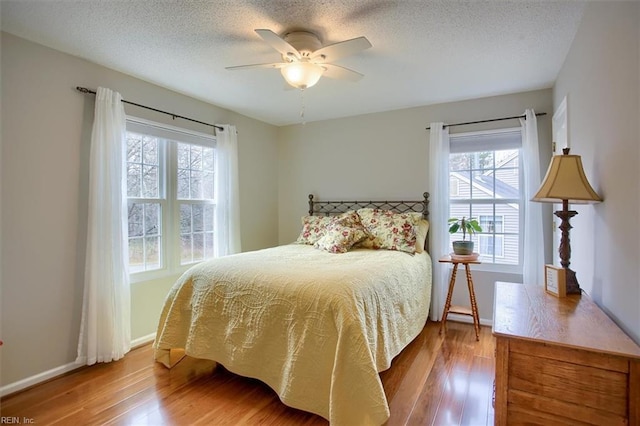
point(491, 224)
point(195, 199)
point(454, 187)
point(170, 188)
point(486, 169)
point(145, 201)
point(492, 240)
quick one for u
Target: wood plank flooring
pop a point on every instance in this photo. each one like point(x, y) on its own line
point(436, 380)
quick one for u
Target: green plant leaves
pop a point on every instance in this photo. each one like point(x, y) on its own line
point(469, 226)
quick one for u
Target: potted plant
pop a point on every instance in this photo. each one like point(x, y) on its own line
point(469, 226)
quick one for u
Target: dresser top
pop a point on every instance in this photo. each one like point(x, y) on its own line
point(528, 312)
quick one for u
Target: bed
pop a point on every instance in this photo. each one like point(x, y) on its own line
point(315, 325)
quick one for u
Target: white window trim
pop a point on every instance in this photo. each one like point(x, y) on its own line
point(170, 249)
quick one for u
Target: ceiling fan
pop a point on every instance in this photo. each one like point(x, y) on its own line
point(305, 60)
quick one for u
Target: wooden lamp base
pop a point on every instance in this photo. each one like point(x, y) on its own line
point(572, 282)
point(565, 247)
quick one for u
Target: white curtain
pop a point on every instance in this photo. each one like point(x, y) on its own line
point(105, 330)
point(438, 213)
point(227, 217)
point(532, 230)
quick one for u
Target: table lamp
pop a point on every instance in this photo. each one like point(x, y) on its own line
point(566, 182)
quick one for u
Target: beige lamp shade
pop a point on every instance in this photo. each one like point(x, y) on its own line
point(565, 180)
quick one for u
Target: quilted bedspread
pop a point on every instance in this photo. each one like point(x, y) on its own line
point(316, 327)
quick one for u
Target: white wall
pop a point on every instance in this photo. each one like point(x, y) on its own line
point(385, 156)
point(601, 79)
point(45, 146)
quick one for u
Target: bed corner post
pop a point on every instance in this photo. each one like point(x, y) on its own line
point(310, 204)
point(425, 204)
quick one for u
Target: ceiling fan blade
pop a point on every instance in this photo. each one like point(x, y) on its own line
point(341, 49)
point(340, 73)
point(272, 65)
point(275, 41)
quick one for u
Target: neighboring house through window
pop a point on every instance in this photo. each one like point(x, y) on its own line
point(454, 187)
point(171, 202)
point(485, 167)
point(491, 240)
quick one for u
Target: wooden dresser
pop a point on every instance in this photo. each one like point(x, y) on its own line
point(561, 361)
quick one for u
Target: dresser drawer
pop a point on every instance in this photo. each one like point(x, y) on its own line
point(562, 388)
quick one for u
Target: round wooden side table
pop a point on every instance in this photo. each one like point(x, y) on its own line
point(462, 310)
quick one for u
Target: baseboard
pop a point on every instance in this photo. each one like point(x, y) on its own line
point(141, 341)
point(468, 319)
point(58, 371)
point(38, 378)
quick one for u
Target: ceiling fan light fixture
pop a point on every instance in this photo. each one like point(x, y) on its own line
point(302, 75)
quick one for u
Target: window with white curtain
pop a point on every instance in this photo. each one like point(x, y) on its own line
point(486, 169)
point(170, 177)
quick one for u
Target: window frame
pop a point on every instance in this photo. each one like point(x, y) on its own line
point(170, 204)
point(500, 133)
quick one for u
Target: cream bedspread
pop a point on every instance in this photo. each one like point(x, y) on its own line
point(316, 327)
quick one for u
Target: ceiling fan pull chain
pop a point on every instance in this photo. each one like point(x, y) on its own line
point(302, 106)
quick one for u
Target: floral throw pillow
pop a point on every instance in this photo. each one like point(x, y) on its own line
point(389, 230)
point(313, 228)
point(342, 233)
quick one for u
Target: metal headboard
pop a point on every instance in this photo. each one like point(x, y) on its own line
point(329, 208)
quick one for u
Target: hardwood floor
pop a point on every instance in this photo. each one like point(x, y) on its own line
point(436, 380)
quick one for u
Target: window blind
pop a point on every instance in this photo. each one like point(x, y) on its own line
point(165, 131)
point(490, 141)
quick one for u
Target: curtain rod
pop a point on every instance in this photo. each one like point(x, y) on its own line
point(85, 90)
point(538, 114)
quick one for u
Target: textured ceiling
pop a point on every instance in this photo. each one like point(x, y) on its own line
point(424, 52)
